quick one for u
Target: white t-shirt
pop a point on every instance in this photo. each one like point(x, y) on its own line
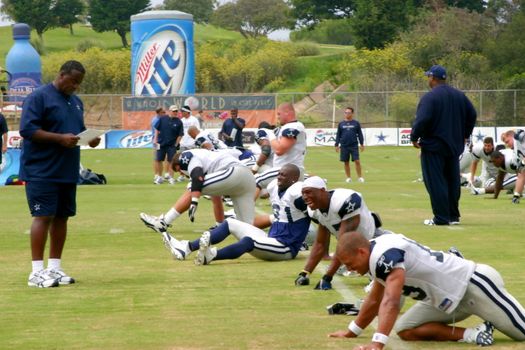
point(187, 141)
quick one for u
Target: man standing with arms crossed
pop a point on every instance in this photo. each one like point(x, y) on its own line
point(349, 136)
point(52, 117)
point(444, 121)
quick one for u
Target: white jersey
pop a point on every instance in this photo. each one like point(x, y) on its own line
point(345, 204)
point(512, 163)
point(295, 155)
point(479, 154)
point(187, 141)
point(519, 144)
point(437, 278)
point(205, 137)
point(209, 161)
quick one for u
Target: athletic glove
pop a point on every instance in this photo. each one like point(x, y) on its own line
point(302, 279)
point(193, 208)
point(325, 283)
point(516, 199)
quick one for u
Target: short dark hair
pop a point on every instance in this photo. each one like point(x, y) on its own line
point(488, 139)
point(496, 154)
point(158, 110)
point(69, 66)
point(265, 125)
point(499, 148)
point(350, 108)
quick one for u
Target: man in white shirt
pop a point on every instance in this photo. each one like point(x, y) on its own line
point(447, 289)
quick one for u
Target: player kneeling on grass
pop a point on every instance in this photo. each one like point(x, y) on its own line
point(447, 289)
point(289, 227)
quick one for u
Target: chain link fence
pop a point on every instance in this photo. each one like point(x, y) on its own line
point(324, 109)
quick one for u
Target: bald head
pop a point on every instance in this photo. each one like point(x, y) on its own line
point(353, 250)
point(286, 113)
point(193, 131)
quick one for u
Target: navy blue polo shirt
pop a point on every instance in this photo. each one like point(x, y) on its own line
point(227, 128)
point(444, 119)
point(349, 134)
point(49, 110)
point(169, 129)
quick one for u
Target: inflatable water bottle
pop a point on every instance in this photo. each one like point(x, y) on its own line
point(23, 64)
point(162, 54)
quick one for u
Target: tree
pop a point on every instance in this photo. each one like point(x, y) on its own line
point(115, 15)
point(67, 12)
point(378, 22)
point(311, 12)
point(252, 18)
point(38, 14)
point(200, 9)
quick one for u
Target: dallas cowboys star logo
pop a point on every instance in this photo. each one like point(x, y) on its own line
point(348, 207)
point(289, 133)
point(184, 159)
point(36, 207)
point(381, 137)
point(479, 136)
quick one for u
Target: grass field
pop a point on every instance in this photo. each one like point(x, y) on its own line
point(131, 295)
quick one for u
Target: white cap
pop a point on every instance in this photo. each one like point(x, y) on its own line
point(174, 108)
point(314, 182)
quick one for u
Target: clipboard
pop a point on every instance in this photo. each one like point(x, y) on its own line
point(88, 135)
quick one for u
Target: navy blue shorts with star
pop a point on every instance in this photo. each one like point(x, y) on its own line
point(51, 198)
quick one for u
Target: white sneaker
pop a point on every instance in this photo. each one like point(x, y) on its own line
point(41, 279)
point(179, 249)
point(167, 176)
point(60, 275)
point(348, 180)
point(228, 202)
point(482, 335)
point(171, 181)
point(155, 223)
point(181, 178)
point(158, 180)
point(205, 254)
point(429, 222)
point(475, 191)
point(230, 214)
point(361, 179)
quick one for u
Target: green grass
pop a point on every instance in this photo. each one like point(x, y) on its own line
point(131, 295)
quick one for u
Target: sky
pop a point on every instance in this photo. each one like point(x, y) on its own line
point(280, 35)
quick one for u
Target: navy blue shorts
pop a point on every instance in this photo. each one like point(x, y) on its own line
point(165, 151)
point(345, 152)
point(51, 198)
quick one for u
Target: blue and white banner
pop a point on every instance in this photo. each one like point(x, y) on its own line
point(129, 139)
point(380, 136)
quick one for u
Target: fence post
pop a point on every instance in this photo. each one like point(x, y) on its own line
point(333, 114)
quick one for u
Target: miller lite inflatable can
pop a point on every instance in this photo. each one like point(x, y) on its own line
point(162, 54)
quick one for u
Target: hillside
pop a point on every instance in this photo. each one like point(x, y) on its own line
point(59, 39)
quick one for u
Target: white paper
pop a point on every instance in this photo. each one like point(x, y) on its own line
point(88, 135)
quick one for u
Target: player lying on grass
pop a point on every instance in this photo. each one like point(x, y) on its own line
point(447, 289)
point(289, 226)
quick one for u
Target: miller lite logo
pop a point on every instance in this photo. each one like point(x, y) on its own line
point(137, 139)
point(161, 66)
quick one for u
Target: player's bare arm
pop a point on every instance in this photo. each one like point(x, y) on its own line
point(282, 145)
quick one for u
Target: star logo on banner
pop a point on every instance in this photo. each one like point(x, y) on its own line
point(184, 159)
point(381, 137)
point(479, 136)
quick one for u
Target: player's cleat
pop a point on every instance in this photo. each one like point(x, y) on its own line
point(181, 178)
point(475, 191)
point(206, 253)
point(41, 279)
point(455, 222)
point(230, 214)
point(155, 223)
point(158, 180)
point(456, 252)
point(167, 176)
point(429, 222)
point(361, 179)
point(482, 335)
point(206, 196)
point(178, 249)
point(228, 202)
point(60, 276)
point(171, 181)
point(348, 180)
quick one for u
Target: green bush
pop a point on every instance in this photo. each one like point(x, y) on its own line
point(333, 31)
point(403, 108)
point(306, 49)
point(39, 46)
point(86, 44)
point(106, 71)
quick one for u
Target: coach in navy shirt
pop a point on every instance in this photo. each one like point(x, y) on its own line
point(52, 117)
point(349, 137)
point(231, 131)
point(444, 121)
point(169, 132)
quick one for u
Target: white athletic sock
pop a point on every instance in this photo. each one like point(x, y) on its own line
point(38, 265)
point(53, 264)
point(171, 215)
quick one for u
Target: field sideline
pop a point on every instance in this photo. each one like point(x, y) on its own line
point(131, 295)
